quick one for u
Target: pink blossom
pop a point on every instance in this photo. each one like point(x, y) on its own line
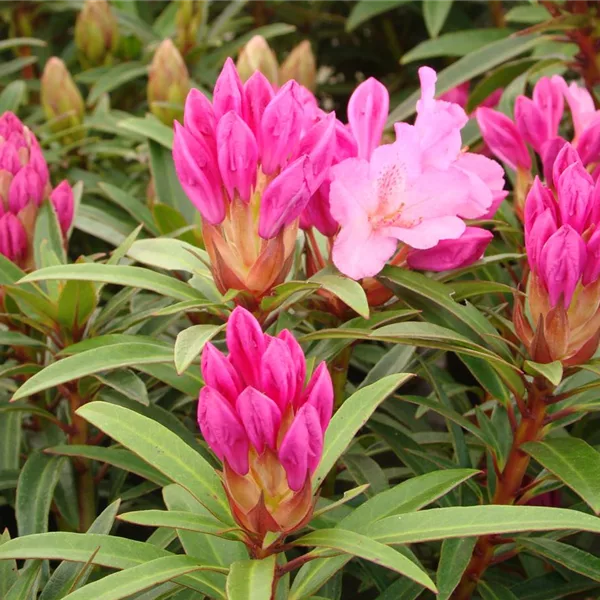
point(63, 202)
point(13, 239)
point(417, 191)
point(255, 401)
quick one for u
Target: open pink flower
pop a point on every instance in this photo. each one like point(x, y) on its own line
point(416, 191)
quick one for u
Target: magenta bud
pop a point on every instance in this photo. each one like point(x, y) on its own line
point(458, 94)
point(64, 205)
point(298, 360)
point(198, 174)
point(9, 158)
point(531, 122)
point(317, 212)
point(222, 430)
point(228, 93)
point(538, 200)
point(280, 128)
point(13, 238)
point(539, 233)
point(594, 217)
point(9, 124)
point(562, 262)
point(319, 393)
point(565, 157)
point(368, 109)
point(258, 92)
point(588, 144)
point(237, 155)
point(319, 145)
point(246, 344)
point(548, 96)
point(345, 144)
point(302, 446)
point(285, 198)
point(550, 151)
point(199, 117)
point(503, 138)
point(260, 417)
point(218, 372)
point(452, 254)
point(26, 187)
point(278, 376)
point(592, 264)
point(574, 191)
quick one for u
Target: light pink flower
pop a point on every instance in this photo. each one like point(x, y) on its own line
point(416, 191)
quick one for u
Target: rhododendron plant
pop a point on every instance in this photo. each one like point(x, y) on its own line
point(264, 424)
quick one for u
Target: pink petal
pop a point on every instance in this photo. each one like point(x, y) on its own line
point(246, 343)
point(260, 417)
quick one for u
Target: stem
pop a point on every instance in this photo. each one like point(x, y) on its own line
point(339, 376)
point(497, 13)
point(508, 485)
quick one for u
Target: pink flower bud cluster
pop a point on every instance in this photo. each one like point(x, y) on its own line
point(24, 185)
point(536, 124)
point(259, 418)
point(251, 140)
point(562, 238)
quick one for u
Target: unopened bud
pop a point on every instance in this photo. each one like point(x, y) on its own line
point(168, 83)
point(61, 100)
point(96, 33)
point(187, 21)
point(300, 65)
point(257, 55)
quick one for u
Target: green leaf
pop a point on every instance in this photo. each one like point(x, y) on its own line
point(454, 558)
point(35, 489)
point(473, 64)
point(114, 78)
point(136, 208)
point(494, 591)
point(553, 371)
point(118, 457)
point(350, 417)
point(347, 290)
point(456, 43)
point(12, 66)
point(27, 584)
point(69, 576)
point(119, 275)
point(189, 344)
point(151, 128)
point(177, 519)
point(12, 96)
point(171, 254)
point(527, 14)
point(16, 338)
point(570, 557)
point(435, 13)
point(163, 450)
point(365, 10)
point(251, 579)
point(574, 462)
point(364, 547)
point(93, 361)
point(47, 236)
point(76, 303)
point(467, 521)
point(364, 469)
point(8, 568)
point(10, 441)
point(136, 579)
point(105, 550)
point(127, 383)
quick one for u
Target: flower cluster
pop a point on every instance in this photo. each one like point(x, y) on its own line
point(250, 161)
point(417, 191)
point(24, 185)
point(536, 126)
point(259, 418)
point(563, 250)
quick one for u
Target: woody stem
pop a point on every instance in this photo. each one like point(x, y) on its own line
point(508, 485)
